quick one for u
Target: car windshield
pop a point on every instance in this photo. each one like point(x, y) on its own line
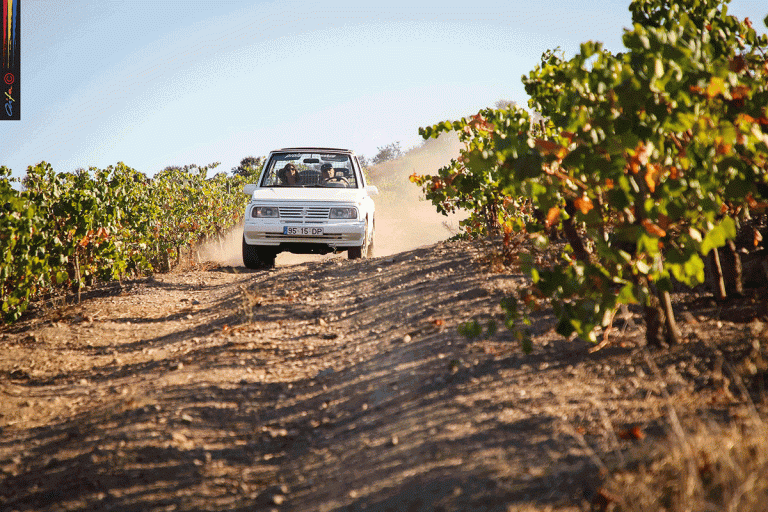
point(309, 170)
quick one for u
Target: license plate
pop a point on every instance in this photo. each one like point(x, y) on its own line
point(302, 231)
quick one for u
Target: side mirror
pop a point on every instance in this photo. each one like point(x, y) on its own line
point(249, 188)
point(372, 190)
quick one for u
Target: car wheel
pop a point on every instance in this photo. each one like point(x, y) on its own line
point(267, 257)
point(256, 258)
point(355, 253)
point(370, 242)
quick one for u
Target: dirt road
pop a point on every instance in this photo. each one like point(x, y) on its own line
point(329, 385)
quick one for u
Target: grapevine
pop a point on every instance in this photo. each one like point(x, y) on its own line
point(64, 231)
point(647, 163)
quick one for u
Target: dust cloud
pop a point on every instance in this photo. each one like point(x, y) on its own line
point(229, 251)
point(404, 220)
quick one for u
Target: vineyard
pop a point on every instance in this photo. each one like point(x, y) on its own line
point(65, 231)
point(649, 168)
point(618, 230)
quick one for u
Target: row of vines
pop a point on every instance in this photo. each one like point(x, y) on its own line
point(63, 231)
point(644, 162)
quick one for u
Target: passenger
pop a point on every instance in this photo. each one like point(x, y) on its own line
point(289, 175)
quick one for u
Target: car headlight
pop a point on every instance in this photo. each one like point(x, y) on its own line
point(343, 213)
point(261, 212)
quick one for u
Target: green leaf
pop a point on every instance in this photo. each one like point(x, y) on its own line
point(627, 295)
point(717, 235)
point(526, 343)
point(528, 166)
point(471, 329)
point(564, 327)
point(690, 272)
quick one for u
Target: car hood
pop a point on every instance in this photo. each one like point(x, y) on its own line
point(309, 194)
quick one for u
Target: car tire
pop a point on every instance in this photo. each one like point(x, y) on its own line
point(267, 257)
point(257, 258)
point(355, 253)
point(370, 242)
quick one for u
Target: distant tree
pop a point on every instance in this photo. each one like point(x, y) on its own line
point(387, 153)
point(364, 162)
point(504, 104)
point(250, 166)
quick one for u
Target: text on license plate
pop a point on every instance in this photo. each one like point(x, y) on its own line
point(302, 231)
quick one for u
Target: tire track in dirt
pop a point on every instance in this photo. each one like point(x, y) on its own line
point(332, 385)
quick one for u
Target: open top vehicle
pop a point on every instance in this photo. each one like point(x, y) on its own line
point(308, 201)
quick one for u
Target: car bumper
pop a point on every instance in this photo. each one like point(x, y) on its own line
point(335, 234)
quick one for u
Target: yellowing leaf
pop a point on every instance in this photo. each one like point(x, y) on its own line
point(743, 118)
point(663, 221)
point(478, 122)
point(653, 229)
point(584, 204)
point(548, 147)
point(552, 216)
point(738, 64)
point(716, 86)
point(650, 182)
point(634, 433)
point(652, 174)
point(739, 92)
point(639, 156)
point(723, 149)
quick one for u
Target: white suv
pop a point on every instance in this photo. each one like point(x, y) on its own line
point(308, 201)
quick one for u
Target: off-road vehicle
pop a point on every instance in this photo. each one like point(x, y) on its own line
point(308, 201)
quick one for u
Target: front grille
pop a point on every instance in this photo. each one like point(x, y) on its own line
point(298, 212)
point(317, 213)
point(291, 212)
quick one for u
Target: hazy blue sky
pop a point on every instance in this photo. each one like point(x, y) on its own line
point(161, 82)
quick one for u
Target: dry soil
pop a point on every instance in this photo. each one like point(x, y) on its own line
point(337, 385)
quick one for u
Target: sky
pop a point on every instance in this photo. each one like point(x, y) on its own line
point(177, 82)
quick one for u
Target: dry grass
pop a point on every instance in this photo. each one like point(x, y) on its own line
point(712, 468)
point(705, 466)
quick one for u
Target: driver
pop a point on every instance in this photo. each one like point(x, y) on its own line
point(327, 172)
